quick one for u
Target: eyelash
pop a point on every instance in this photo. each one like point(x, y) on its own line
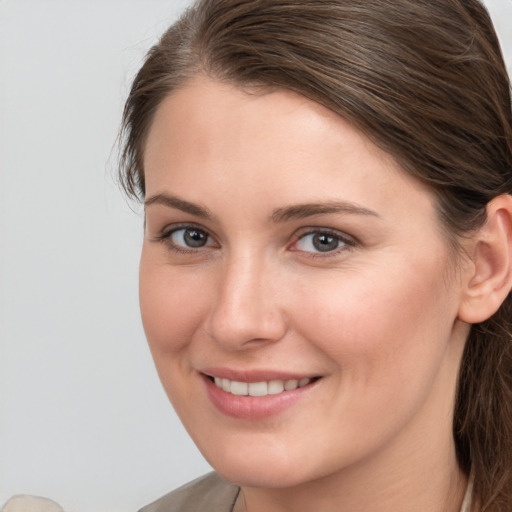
point(347, 242)
point(166, 237)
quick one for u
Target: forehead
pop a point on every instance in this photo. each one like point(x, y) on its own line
point(204, 105)
point(280, 145)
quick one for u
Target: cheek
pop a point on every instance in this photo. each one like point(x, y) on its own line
point(386, 338)
point(377, 324)
point(172, 305)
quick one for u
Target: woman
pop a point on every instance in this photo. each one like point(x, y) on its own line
point(326, 266)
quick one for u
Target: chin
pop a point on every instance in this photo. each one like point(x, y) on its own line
point(247, 475)
point(262, 468)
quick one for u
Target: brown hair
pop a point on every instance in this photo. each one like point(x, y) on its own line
point(425, 81)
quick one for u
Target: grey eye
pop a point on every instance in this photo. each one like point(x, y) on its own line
point(319, 242)
point(190, 237)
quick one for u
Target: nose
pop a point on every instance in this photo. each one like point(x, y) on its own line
point(247, 310)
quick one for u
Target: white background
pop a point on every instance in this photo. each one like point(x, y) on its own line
point(83, 418)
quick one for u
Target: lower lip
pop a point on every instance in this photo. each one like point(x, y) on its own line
point(253, 407)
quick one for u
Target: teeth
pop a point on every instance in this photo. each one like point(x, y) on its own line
point(239, 388)
point(275, 387)
point(304, 382)
point(272, 387)
point(291, 384)
point(258, 389)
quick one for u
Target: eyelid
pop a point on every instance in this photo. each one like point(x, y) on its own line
point(168, 229)
point(349, 241)
point(166, 233)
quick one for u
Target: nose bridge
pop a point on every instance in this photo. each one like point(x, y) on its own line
point(246, 309)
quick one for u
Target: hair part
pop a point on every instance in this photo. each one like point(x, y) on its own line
point(426, 82)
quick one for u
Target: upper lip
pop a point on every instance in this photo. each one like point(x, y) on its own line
point(256, 375)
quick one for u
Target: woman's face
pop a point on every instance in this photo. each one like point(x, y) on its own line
point(287, 257)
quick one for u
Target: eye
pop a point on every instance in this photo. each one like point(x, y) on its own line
point(322, 241)
point(191, 237)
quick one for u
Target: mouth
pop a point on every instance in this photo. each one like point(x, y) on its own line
point(262, 388)
point(256, 395)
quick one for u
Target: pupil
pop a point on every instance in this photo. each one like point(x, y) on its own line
point(325, 242)
point(195, 238)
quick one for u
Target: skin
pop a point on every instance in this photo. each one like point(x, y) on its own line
point(377, 317)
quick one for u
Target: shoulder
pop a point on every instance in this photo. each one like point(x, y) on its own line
point(209, 492)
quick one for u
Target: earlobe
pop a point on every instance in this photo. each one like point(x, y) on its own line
point(490, 279)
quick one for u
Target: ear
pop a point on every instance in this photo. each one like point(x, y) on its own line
point(489, 278)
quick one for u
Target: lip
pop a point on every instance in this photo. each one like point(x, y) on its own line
point(253, 407)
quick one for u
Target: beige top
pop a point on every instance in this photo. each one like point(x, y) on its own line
point(211, 493)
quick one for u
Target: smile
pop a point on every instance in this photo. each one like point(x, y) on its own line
point(272, 387)
point(256, 395)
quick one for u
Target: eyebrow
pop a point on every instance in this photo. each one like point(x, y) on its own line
point(179, 204)
point(302, 211)
point(285, 214)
